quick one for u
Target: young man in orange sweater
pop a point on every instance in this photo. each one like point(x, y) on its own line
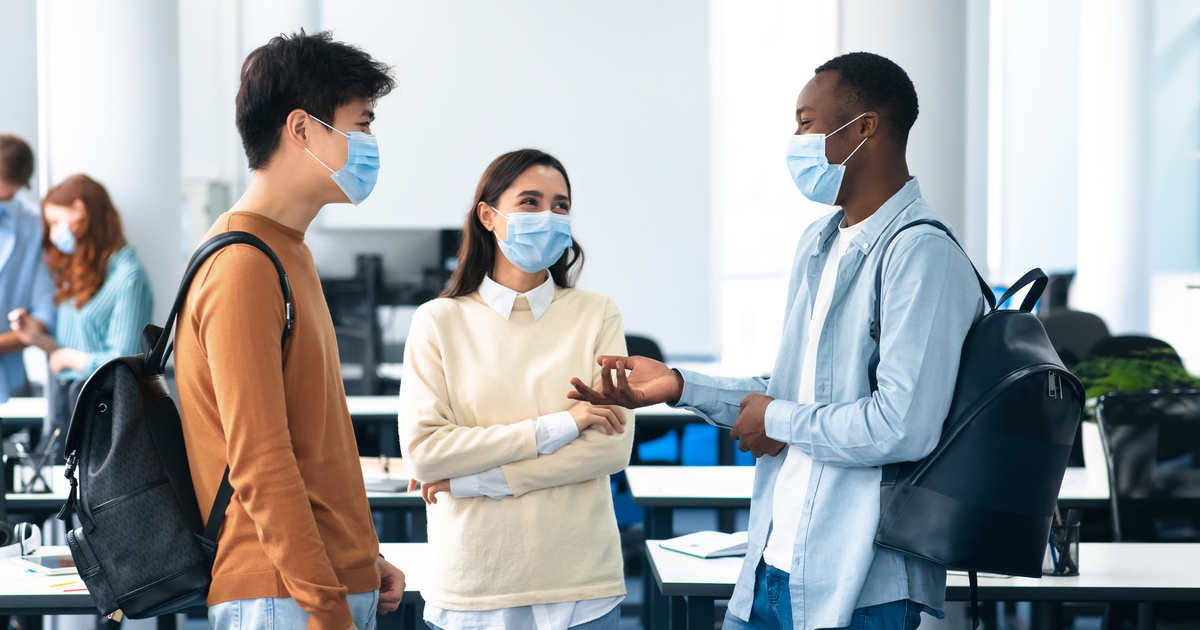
point(298, 545)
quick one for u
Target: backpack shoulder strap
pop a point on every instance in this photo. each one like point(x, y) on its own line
point(876, 325)
point(156, 357)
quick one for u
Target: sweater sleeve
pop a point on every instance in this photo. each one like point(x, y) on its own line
point(433, 445)
point(594, 453)
point(239, 312)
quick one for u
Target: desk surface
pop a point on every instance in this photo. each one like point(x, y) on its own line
point(1141, 572)
point(23, 591)
point(731, 486)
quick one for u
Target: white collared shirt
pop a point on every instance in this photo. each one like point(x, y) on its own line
point(502, 298)
point(553, 431)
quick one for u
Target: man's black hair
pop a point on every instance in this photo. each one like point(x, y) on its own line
point(869, 82)
point(301, 71)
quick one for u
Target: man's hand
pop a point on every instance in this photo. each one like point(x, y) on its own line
point(604, 418)
point(391, 586)
point(648, 383)
point(751, 427)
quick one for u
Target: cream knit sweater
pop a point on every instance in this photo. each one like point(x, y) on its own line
point(473, 383)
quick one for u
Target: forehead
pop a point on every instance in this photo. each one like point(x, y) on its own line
point(54, 211)
point(820, 93)
point(354, 108)
point(540, 177)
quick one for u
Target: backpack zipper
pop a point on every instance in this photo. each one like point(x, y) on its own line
point(1055, 391)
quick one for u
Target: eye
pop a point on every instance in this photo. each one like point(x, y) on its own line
point(529, 201)
point(805, 122)
point(562, 205)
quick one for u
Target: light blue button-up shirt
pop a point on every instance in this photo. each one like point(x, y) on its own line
point(930, 300)
point(24, 281)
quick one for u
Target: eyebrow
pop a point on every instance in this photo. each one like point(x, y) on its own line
point(806, 108)
point(531, 193)
point(561, 198)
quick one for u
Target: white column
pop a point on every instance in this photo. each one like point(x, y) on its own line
point(18, 74)
point(1114, 275)
point(928, 38)
point(111, 110)
point(264, 19)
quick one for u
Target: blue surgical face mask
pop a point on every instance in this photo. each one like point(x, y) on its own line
point(536, 240)
point(63, 238)
point(816, 178)
point(357, 178)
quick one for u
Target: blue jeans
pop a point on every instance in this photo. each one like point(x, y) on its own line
point(283, 613)
point(772, 608)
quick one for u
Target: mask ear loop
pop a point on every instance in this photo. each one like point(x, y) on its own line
point(347, 137)
point(855, 150)
point(826, 135)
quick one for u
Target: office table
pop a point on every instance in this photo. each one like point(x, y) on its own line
point(1144, 573)
point(19, 598)
point(662, 489)
point(22, 413)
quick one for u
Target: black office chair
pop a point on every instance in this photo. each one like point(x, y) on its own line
point(644, 347)
point(1152, 444)
point(1151, 441)
point(1073, 333)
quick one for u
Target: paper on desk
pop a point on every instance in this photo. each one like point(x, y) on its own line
point(709, 544)
point(994, 576)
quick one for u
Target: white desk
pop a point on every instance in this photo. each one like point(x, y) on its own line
point(662, 489)
point(34, 597)
point(1122, 572)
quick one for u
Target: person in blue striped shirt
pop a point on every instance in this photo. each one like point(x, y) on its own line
point(103, 293)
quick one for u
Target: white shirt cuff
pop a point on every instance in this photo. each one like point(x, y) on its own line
point(554, 431)
point(465, 487)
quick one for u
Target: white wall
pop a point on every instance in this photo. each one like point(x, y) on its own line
point(18, 74)
point(761, 57)
point(1038, 126)
point(928, 38)
point(112, 112)
point(618, 91)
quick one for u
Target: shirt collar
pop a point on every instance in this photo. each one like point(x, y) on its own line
point(877, 223)
point(502, 298)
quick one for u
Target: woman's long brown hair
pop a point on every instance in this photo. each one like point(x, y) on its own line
point(477, 254)
point(98, 236)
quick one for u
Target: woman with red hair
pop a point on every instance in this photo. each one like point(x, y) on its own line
point(102, 291)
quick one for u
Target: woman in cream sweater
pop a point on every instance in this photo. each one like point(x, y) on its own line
point(520, 513)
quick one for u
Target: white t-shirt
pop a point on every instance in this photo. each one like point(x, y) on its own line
point(791, 486)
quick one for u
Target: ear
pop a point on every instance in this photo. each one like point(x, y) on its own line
point(79, 206)
point(486, 216)
point(868, 125)
point(297, 127)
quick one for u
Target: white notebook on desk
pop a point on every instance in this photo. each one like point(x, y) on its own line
point(709, 544)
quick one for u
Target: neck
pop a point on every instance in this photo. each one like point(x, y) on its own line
point(872, 188)
point(281, 200)
point(509, 276)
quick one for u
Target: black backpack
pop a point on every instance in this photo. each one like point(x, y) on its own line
point(984, 499)
point(143, 547)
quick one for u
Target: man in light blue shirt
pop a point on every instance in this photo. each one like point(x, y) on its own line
point(25, 283)
point(820, 433)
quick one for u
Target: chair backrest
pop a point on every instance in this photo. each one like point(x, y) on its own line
point(1074, 331)
point(643, 347)
point(1152, 443)
point(1131, 347)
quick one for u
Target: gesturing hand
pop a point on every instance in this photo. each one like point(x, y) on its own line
point(648, 383)
point(606, 418)
point(750, 429)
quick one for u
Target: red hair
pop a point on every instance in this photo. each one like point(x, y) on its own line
point(98, 236)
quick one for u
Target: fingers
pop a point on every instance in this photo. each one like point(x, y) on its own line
point(608, 360)
point(606, 382)
point(412, 485)
point(610, 421)
point(622, 380)
point(584, 393)
point(620, 414)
